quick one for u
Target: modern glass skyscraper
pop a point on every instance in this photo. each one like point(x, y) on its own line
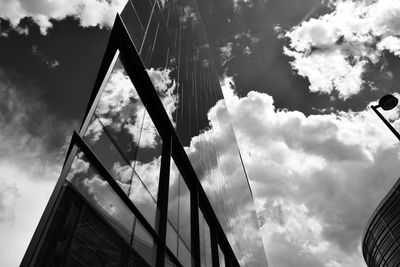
point(154, 176)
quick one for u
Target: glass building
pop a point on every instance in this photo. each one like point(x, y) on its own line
point(154, 177)
point(381, 238)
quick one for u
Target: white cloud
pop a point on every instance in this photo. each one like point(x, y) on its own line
point(333, 50)
point(226, 53)
point(215, 159)
point(391, 44)
point(316, 179)
point(149, 173)
point(89, 12)
point(8, 199)
point(30, 164)
point(166, 89)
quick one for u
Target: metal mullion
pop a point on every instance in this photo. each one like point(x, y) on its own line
point(107, 65)
point(214, 246)
point(147, 28)
point(117, 189)
point(136, 71)
point(209, 214)
point(162, 203)
point(132, 260)
point(194, 227)
point(117, 147)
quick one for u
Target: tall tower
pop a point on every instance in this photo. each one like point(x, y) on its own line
point(154, 177)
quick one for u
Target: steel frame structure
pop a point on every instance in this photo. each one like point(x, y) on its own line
point(120, 45)
point(381, 237)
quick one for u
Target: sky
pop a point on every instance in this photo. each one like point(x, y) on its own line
point(298, 79)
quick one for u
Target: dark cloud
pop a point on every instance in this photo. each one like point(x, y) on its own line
point(266, 69)
point(28, 129)
point(33, 143)
point(78, 51)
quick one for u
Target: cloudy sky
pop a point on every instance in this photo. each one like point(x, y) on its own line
point(298, 78)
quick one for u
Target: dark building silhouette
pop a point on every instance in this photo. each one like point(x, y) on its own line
point(381, 238)
point(154, 177)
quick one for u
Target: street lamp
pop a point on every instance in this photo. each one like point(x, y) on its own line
point(387, 102)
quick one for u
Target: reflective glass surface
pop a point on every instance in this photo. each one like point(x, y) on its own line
point(81, 236)
point(176, 54)
point(124, 138)
point(381, 239)
point(205, 242)
point(184, 256)
point(86, 179)
point(143, 244)
point(172, 239)
point(92, 226)
point(179, 214)
point(221, 257)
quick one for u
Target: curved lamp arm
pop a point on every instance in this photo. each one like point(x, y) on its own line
point(375, 108)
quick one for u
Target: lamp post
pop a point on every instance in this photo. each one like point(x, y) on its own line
point(387, 102)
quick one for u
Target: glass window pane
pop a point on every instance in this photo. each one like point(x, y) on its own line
point(107, 152)
point(143, 10)
point(143, 200)
point(184, 211)
point(133, 25)
point(122, 115)
point(221, 257)
point(148, 158)
point(80, 236)
point(160, 50)
point(143, 245)
point(85, 178)
point(184, 256)
point(205, 242)
point(172, 239)
point(149, 42)
point(179, 204)
point(121, 112)
point(173, 194)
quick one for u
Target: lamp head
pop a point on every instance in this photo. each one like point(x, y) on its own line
point(388, 102)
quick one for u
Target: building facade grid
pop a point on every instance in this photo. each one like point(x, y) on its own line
point(121, 47)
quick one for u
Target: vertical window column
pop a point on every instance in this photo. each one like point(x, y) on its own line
point(162, 203)
point(194, 227)
point(214, 247)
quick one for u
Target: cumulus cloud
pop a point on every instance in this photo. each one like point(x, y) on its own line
point(333, 51)
point(90, 13)
point(226, 53)
point(31, 154)
point(316, 179)
point(215, 158)
point(166, 89)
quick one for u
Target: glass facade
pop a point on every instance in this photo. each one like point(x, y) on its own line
point(178, 54)
point(381, 239)
point(154, 176)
